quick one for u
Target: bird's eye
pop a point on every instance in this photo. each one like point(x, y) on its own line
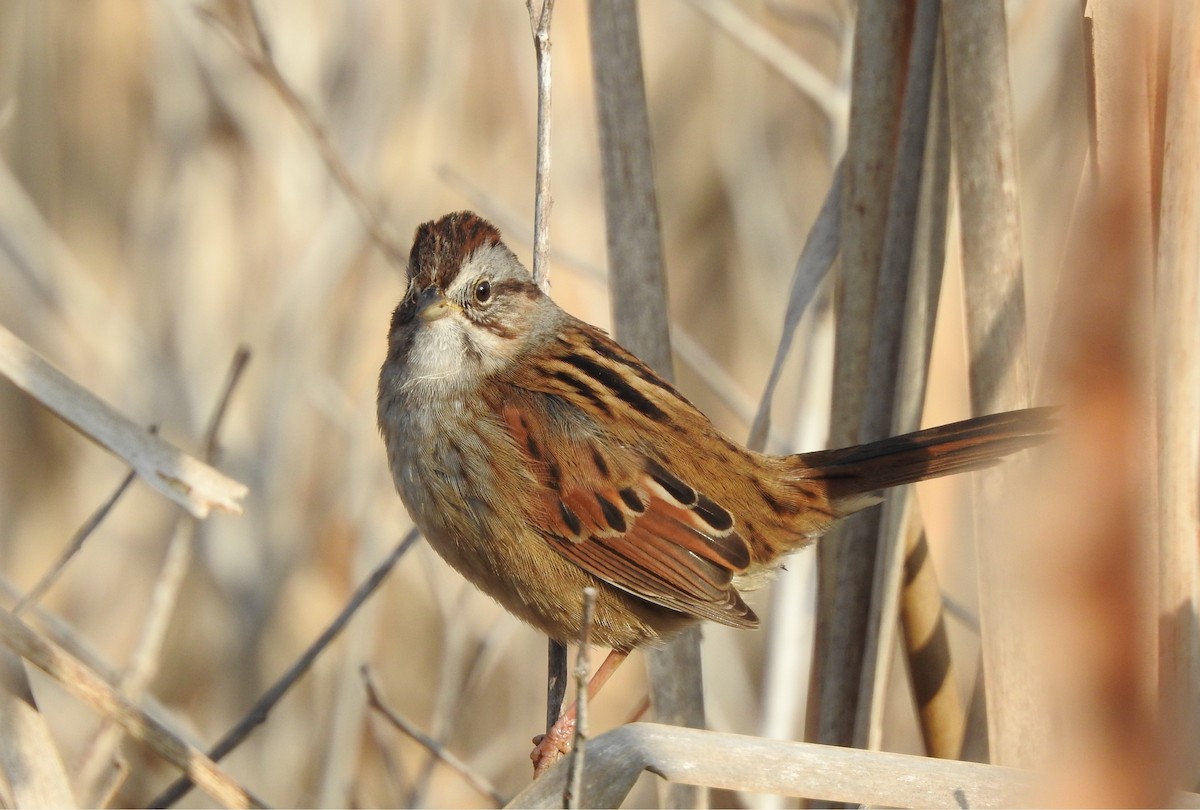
point(483, 291)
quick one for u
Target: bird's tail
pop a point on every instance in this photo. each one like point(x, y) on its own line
point(853, 472)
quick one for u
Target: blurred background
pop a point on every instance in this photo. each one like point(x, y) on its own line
point(170, 209)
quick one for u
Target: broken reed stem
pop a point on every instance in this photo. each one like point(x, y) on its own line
point(574, 789)
point(86, 685)
point(539, 24)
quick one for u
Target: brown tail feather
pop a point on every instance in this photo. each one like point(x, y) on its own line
point(968, 445)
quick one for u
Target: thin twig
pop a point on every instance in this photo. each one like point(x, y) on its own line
point(402, 724)
point(259, 711)
point(34, 595)
point(143, 663)
point(86, 685)
point(574, 789)
point(514, 225)
point(260, 59)
point(539, 24)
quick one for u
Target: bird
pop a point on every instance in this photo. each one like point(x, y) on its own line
point(539, 457)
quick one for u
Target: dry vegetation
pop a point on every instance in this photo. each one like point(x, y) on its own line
point(161, 206)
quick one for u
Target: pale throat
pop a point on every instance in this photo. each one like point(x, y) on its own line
point(451, 356)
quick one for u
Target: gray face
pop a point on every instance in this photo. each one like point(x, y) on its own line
point(471, 308)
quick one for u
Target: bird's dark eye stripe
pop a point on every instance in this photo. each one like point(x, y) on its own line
point(514, 286)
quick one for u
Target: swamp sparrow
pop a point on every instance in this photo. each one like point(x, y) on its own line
point(538, 457)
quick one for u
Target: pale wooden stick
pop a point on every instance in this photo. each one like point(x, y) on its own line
point(737, 762)
point(189, 482)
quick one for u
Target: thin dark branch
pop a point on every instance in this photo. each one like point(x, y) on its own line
point(240, 358)
point(77, 540)
point(259, 711)
point(402, 724)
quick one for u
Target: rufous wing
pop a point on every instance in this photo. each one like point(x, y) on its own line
point(625, 517)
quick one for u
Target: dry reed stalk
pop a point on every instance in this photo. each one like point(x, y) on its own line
point(879, 59)
point(1177, 368)
point(639, 296)
point(911, 598)
point(983, 134)
point(192, 484)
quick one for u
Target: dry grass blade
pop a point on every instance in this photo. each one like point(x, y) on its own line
point(639, 294)
point(828, 97)
point(1095, 615)
point(262, 707)
point(984, 141)
point(263, 63)
point(82, 682)
point(896, 604)
point(849, 642)
point(820, 250)
point(31, 770)
point(376, 702)
point(192, 484)
point(1177, 300)
point(876, 83)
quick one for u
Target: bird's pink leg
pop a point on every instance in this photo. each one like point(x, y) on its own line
point(551, 746)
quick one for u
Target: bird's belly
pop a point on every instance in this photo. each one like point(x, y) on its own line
point(510, 562)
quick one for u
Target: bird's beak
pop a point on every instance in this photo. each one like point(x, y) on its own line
point(432, 305)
